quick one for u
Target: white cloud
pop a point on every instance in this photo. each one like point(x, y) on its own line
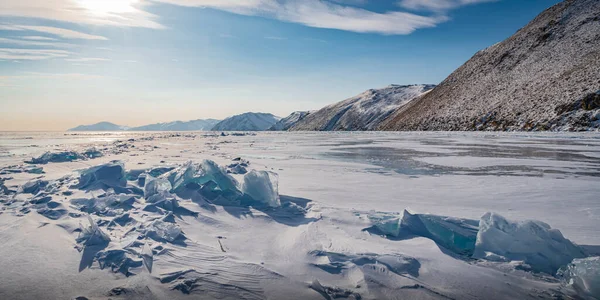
point(438, 5)
point(322, 14)
point(96, 12)
point(13, 41)
point(38, 38)
point(86, 59)
point(31, 54)
point(61, 32)
point(332, 14)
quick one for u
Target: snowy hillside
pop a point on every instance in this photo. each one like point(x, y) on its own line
point(289, 121)
point(195, 125)
point(247, 122)
point(544, 77)
point(362, 112)
point(102, 126)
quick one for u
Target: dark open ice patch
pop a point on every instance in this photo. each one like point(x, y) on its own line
point(457, 235)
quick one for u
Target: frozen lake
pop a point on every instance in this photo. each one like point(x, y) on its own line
point(341, 180)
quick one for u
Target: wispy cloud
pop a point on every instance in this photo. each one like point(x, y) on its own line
point(61, 32)
point(86, 59)
point(31, 54)
point(322, 14)
point(14, 41)
point(96, 12)
point(38, 38)
point(277, 38)
point(438, 5)
point(345, 15)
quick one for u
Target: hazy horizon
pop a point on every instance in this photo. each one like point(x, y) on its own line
point(71, 62)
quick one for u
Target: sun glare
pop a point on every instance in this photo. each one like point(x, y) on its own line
point(108, 6)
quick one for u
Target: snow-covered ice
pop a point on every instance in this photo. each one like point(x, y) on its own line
point(316, 216)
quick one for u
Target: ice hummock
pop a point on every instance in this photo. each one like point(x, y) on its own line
point(262, 187)
point(535, 243)
point(103, 176)
point(584, 276)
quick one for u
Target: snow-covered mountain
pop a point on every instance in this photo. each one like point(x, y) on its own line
point(544, 77)
point(102, 126)
point(289, 121)
point(247, 122)
point(362, 112)
point(195, 125)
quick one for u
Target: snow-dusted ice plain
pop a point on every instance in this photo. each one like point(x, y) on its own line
point(335, 215)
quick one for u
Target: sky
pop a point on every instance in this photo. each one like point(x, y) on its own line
point(65, 63)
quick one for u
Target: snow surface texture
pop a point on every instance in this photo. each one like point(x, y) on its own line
point(363, 112)
point(544, 77)
point(247, 122)
point(161, 216)
point(289, 121)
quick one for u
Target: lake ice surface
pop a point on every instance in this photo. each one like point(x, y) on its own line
point(337, 179)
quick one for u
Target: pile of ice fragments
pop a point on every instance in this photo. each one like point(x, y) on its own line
point(534, 245)
point(127, 217)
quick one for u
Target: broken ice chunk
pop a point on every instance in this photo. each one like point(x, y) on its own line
point(92, 235)
point(92, 153)
point(533, 242)
point(156, 186)
point(147, 257)
point(107, 175)
point(201, 174)
point(32, 187)
point(584, 276)
point(457, 235)
point(160, 230)
point(262, 187)
point(49, 157)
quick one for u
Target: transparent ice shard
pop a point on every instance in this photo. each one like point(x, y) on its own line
point(262, 187)
point(92, 235)
point(584, 276)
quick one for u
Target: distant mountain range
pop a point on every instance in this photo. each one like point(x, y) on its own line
point(247, 122)
point(243, 122)
point(195, 125)
point(289, 121)
point(362, 112)
point(102, 126)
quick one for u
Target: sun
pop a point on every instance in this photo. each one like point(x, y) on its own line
point(108, 6)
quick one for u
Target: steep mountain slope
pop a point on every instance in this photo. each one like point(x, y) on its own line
point(362, 112)
point(195, 125)
point(545, 77)
point(289, 121)
point(102, 126)
point(247, 122)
